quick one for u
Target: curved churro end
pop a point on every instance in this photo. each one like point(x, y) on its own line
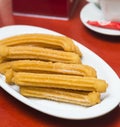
point(72, 47)
point(75, 59)
point(90, 71)
point(4, 67)
point(94, 98)
point(9, 75)
point(77, 50)
point(3, 51)
point(101, 85)
point(67, 43)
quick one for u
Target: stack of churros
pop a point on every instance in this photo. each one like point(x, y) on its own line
point(50, 67)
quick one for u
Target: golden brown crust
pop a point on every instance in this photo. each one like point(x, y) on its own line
point(37, 53)
point(42, 40)
point(59, 81)
point(62, 95)
point(48, 67)
point(5, 66)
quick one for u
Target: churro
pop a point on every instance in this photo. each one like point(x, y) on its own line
point(56, 81)
point(5, 66)
point(48, 67)
point(62, 95)
point(44, 40)
point(38, 53)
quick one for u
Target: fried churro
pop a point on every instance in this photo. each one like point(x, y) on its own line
point(42, 40)
point(48, 67)
point(56, 81)
point(37, 53)
point(62, 95)
point(5, 66)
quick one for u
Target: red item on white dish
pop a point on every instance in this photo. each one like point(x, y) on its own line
point(105, 24)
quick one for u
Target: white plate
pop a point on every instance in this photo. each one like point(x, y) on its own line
point(110, 99)
point(92, 12)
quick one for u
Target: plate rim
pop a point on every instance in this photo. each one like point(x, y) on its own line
point(100, 30)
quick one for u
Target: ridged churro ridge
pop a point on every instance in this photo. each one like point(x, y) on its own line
point(62, 95)
point(44, 40)
point(48, 67)
point(37, 53)
point(58, 81)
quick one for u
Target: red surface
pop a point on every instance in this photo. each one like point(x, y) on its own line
point(15, 114)
point(59, 8)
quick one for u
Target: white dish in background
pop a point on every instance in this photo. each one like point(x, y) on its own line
point(110, 99)
point(93, 13)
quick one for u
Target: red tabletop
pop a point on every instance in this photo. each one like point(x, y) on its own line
point(16, 114)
